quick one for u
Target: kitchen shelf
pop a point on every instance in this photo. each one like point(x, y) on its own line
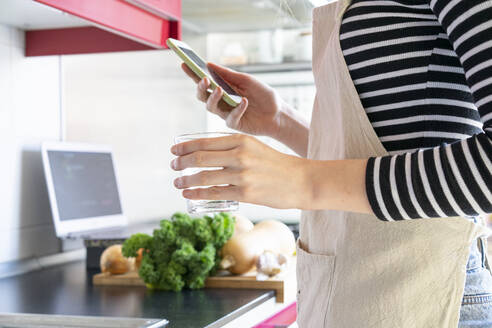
point(60, 27)
point(274, 68)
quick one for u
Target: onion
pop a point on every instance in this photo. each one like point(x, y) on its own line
point(242, 224)
point(240, 253)
point(113, 261)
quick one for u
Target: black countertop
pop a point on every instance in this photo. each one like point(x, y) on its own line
point(67, 289)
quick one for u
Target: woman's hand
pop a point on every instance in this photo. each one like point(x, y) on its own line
point(261, 111)
point(255, 173)
point(251, 172)
point(258, 114)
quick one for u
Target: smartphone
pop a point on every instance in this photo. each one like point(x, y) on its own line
point(199, 67)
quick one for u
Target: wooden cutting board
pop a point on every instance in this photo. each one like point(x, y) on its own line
point(284, 286)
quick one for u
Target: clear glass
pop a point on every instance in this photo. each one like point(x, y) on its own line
point(205, 206)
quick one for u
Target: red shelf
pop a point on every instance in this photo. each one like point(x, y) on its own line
point(119, 26)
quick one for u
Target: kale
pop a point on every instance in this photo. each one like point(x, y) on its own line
point(183, 252)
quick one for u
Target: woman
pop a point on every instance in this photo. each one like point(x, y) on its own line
point(403, 88)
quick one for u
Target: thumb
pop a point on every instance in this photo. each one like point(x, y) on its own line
point(236, 114)
point(236, 79)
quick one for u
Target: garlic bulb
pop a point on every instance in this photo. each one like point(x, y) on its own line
point(270, 264)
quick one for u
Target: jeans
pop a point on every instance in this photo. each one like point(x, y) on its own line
point(476, 307)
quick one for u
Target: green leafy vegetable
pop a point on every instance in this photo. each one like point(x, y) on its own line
point(139, 240)
point(183, 252)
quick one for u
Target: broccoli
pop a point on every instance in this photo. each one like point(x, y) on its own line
point(183, 252)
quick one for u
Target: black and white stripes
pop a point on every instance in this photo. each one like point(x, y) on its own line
point(423, 71)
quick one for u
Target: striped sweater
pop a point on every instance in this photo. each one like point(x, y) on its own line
point(423, 71)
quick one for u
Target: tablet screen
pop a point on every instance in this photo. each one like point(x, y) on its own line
point(84, 184)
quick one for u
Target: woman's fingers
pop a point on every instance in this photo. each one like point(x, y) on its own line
point(202, 87)
point(213, 103)
point(213, 100)
point(214, 193)
point(202, 84)
point(232, 120)
point(190, 73)
point(204, 158)
point(210, 144)
point(208, 178)
point(236, 80)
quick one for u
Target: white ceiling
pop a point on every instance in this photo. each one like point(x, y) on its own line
point(200, 16)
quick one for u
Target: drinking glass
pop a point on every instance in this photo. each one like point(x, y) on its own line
point(205, 206)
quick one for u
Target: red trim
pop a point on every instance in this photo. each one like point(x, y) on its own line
point(119, 16)
point(283, 318)
point(77, 40)
point(174, 32)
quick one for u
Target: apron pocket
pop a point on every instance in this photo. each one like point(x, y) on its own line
point(314, 285)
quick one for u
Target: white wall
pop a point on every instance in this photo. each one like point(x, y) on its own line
point(29, 114)
point(136, 102)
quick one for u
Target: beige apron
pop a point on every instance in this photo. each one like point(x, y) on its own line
point(355, 270)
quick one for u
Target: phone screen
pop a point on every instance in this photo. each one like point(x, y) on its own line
point(216, 77)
